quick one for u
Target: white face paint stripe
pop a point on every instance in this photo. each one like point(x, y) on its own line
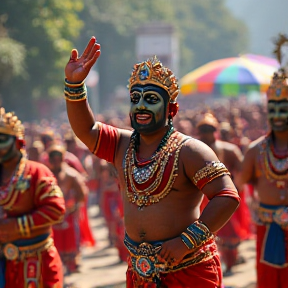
point(7, 143)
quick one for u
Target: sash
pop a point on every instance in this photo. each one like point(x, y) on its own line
point(273, 249)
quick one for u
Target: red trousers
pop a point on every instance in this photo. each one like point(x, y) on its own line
point(269, 276)
point(50, 269)
point(203, 275)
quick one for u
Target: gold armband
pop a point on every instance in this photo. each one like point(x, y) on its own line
point(208, 173)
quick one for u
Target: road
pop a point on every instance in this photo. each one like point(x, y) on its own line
point(101, 268)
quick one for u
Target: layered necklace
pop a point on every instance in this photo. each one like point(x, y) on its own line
point(148, 181)
point(16, 184)
point(275, 166)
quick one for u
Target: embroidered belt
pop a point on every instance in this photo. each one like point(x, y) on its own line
point(270, 213)
point(12, 251)
point(144, 258)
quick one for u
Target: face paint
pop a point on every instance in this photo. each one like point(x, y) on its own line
point(7, 147)
point(148, 108)
point(278, 115)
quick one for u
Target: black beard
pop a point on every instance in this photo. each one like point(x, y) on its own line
point(147, 128)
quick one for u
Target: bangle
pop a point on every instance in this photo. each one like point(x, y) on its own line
point(75, 91)
point(195, 235)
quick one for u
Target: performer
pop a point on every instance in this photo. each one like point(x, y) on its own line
point(266, 167)
point(30, 202)
point(72, 183)
point(163, 175)
point(233, 232)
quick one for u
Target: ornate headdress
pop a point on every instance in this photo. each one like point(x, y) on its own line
point(10, 124)
point(278, 89)
point(152, 71)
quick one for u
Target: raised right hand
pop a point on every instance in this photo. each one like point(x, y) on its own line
point(77, 69)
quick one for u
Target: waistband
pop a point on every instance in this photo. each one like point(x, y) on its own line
point(24, 248)
point(144, 258)
point(273, 213)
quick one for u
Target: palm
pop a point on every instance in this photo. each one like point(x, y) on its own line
point(77, 69)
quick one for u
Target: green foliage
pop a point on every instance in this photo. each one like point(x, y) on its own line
point(12, 55)
point(46, 29)
point(49, 29)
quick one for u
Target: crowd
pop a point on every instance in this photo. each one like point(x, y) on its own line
point(179, 189)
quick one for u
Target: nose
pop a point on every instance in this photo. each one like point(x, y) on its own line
point(141, 104)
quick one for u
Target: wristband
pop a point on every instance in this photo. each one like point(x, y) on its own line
point(195, 235)
point(75, 91)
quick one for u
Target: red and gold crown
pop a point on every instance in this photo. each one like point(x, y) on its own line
point(10, 124)
point(278, 89)
point(152, 71)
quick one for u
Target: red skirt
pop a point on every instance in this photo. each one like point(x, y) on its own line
point(269, 276)
point(207, 274)
point(48, 266)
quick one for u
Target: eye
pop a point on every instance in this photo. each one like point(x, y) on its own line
point(271, 110)
point(151, 98)
point(135, 97)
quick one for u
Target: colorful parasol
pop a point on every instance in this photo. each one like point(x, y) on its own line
point(230, 76)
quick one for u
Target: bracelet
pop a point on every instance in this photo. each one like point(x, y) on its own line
point(75, 91)
point(195, 235)
point(23, 225)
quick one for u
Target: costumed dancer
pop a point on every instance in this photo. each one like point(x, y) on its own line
point(30, 202)
point(72, 183)
point(163, 175)
point(266, 167)
point(232, 233)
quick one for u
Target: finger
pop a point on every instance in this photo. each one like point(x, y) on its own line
point(74, 55)
point(89, 47)
point(95, 49)
point(91, 62)
point(164, 253)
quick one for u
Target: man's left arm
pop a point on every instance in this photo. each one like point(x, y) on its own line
point(49, 210)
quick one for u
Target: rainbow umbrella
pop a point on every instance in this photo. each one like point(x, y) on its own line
point(230, 76)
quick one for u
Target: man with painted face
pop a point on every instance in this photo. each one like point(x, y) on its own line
point(30, 203)
point(266, 167)
point(163, 175)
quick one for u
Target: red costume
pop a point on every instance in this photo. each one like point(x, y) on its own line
point(31, 202)
point(35, 201)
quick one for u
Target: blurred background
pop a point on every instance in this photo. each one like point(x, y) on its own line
point(36, 38)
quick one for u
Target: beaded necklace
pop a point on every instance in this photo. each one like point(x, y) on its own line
point(7, 192)
point(148, 181)
point(275, 166)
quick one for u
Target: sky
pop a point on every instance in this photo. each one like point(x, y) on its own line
point(265, 19)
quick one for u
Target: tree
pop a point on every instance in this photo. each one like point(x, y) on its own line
point(207, 31)
point(46, 29)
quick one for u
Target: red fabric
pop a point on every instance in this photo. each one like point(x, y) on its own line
point(268, 276)
point(65, 236)
point(108, 137)
point(204, 275)
point(51, 269)
point(48, 207)
point(86, 234)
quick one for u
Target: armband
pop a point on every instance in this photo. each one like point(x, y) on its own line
point(208, 173)
point(75, 91)
point(195, 235)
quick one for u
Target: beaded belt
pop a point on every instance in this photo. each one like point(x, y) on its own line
point(145, 262)
point(277, 214)
point(15, 252)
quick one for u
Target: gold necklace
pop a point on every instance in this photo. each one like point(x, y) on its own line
point(147, 182)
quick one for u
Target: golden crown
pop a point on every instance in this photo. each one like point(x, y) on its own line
point(10, 124)
point(152, 71)
point(278, 89)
